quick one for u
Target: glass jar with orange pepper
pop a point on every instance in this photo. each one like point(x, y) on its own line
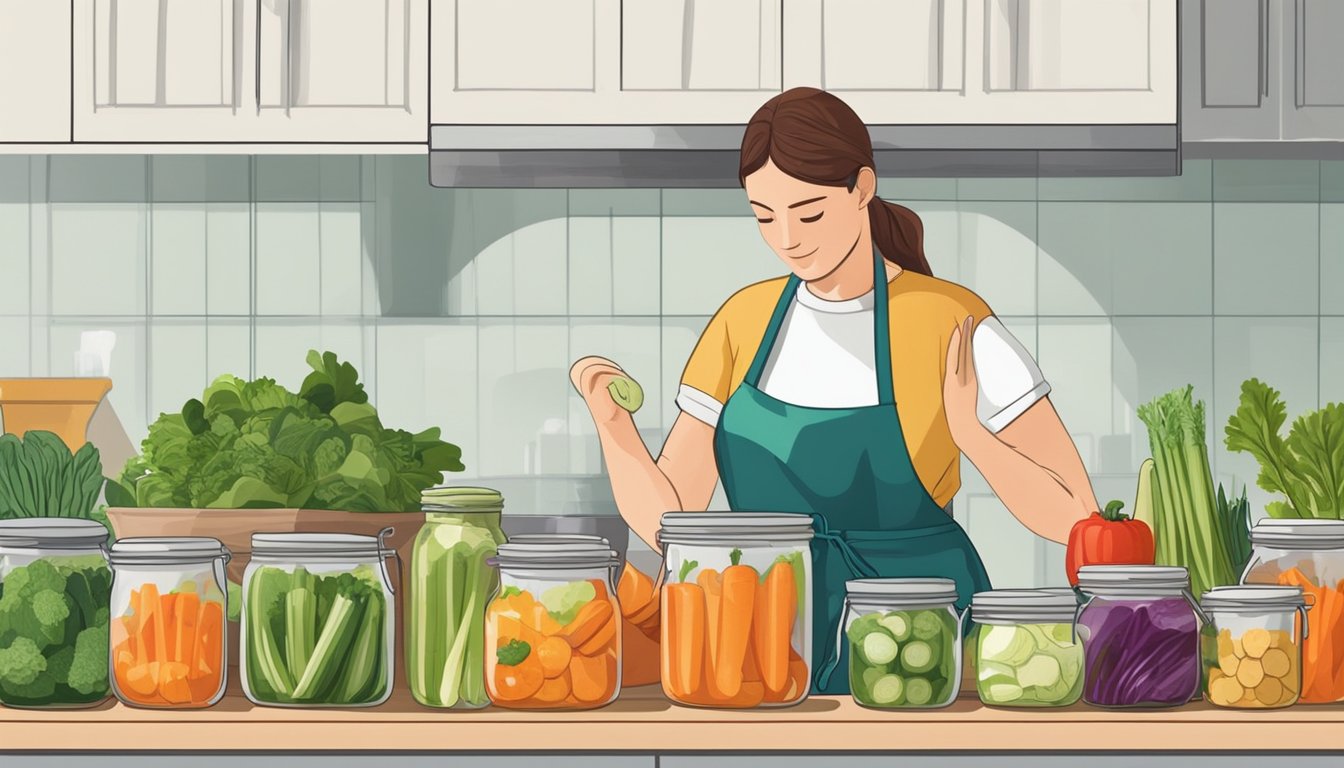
point(168, 622)
point(552, 630)
point(736, 608)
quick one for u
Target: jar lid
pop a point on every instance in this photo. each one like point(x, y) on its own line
point(905, 592)
point(318, 545)
point(1253, 597)
point(461, 499)
point(1133, 580)
point(555, 551)
point(733, 527)
point(155, 550)
point(52, 533)
point(1298, 534)
point(1024, 605)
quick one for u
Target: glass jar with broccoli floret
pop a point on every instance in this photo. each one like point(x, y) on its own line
point(54, 612)
point(318, 622)
point(1027, 653)
point(904, 642)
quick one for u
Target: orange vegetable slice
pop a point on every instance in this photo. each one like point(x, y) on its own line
point(554, 654)
point(515, 683)
point(555, 690)
point(592, 678)
point(592, 618)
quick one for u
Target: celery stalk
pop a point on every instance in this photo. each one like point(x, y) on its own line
point(333, 645)
point(450, 689)
point(264, 651)
point(300, 626)
point(363, 669)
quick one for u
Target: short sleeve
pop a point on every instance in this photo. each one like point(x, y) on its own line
point(1010, 380)
point(707, 381)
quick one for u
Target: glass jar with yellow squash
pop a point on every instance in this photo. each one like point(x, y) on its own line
point(1252, 646)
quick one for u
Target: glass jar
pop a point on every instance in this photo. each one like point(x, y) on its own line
point(168, 626)
point(552, 631)
point(904, 642)
point(318, 620)
point(450, 584)
point(1026, 651)
point(736, 608)
point(1308, 554)
point(1252, 651)
point(55, 587)
point(1140, 633)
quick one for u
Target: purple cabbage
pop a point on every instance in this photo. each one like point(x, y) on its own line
point(1140, 653)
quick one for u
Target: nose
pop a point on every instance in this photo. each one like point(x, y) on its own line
point(787, 242)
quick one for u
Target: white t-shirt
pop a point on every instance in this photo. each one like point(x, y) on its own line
point(825, 357)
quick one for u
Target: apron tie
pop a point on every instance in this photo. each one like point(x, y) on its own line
point(858, 567)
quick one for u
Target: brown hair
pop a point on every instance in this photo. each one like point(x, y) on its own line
point(814, 136)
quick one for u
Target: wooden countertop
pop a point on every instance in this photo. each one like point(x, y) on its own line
point(643, 721)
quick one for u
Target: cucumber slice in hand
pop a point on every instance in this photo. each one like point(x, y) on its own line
point(627, 393)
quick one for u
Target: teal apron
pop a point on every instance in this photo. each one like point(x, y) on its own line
point(850, 470)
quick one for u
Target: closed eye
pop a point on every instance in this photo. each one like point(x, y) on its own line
point(765, 221)
point(810, 219)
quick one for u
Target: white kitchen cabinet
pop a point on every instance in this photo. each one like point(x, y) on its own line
point(238, 71)
point(604, 62)
point(34, 71)
point(1230, 78)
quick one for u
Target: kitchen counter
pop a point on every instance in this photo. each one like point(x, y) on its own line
point(642, 722)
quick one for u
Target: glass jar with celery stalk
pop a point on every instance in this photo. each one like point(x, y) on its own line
point(450, 584)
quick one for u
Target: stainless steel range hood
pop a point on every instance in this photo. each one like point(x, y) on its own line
point(706, 155)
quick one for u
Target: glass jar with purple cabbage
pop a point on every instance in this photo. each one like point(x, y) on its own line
point(1140, 633)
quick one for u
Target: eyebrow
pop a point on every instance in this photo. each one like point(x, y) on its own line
point(798, 204)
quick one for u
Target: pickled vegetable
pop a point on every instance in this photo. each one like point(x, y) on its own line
point(1029, 665)
point(1257, 669)
point(1323, 647)
point(557, 652)
point(903, 658)
point(640, 621)
point(1140, 653)
point(168, 650)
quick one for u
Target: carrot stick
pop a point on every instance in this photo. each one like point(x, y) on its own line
point(683, 640)
point(773, 625)
point(735, 619)
point(152, 637)
point(712, 583)
point(188, 606)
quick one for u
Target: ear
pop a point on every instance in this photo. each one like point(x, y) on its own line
point(866, 185)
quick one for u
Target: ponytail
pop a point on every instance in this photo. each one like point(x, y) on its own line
point(898, 235)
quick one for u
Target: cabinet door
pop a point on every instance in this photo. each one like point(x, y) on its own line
point(160, 70)
point(892, 62)
point(611, 62)
point(1062, 61)
point(352, 71)
point(1316, 70)
point(1230, 72)
point(34, 71)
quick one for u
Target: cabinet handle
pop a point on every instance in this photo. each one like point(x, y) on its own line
point(289, 55)
point(256, 69)
point(1264, 48)
point(1299, 35)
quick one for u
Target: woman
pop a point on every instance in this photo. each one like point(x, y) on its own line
point(817, 394)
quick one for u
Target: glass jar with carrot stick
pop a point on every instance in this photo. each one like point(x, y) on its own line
point(168, 606)
point(736, 609)
point(553, 627)
point(1308, 554)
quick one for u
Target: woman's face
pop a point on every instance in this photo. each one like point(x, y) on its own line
point(812, 227)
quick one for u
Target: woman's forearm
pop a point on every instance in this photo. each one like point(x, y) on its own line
point(642, 492)
point(1047, 500)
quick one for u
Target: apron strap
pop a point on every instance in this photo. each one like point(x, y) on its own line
point(753, 377)
point(859, 568)
point(886, 393)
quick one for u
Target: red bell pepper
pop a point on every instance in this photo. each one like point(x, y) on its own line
point(1108, 538)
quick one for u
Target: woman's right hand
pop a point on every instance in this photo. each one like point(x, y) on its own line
point(590, 376)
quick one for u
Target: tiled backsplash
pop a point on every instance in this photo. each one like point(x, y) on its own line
point(464, 308)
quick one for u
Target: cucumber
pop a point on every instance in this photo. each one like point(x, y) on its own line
point(1143, 497)
point(918, 692)
point(898, 624)
point(927, 625)
point(917, 657)
point(888, 689)
point(879, 648)
point(861, 627)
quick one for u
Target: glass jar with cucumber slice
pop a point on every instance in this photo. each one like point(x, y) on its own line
point(1027, 653)
point(904, 639)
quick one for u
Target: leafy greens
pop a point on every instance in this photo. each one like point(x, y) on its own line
point(255, 444)
point(40, 477)
point(1307, 466)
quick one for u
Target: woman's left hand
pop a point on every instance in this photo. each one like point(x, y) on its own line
point(960, 387)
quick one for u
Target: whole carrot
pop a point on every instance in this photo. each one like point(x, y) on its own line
point(735, 619)
point(712, 583)
point(772, 625)
point(683, 635)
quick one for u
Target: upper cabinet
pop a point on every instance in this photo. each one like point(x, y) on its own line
point(243, 71)
point(1262, 69)
point(666, 62)
point(34, 71)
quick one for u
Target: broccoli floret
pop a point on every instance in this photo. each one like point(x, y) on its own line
point(14, 584)
point(41, 687)
point(88, 670)
point(20, 619)
point(21, 662)
point(51, 608)
point(41, 575)
point(58, 664)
